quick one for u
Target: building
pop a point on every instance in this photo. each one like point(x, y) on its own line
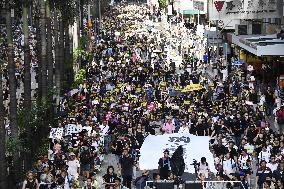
point(194, 10)
point(252, 30)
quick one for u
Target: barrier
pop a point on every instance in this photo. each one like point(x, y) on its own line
point(195, 185)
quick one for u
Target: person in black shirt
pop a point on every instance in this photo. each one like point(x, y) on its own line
point(164, 168)
point(31, 182)
point(233, 152)
point(125, 168)
point(219, 149)
point(109, 177)
point(262, 173)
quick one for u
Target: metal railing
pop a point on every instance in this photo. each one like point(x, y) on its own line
point(195, 184)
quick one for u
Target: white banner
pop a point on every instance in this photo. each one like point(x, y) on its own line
point(170, 10)
point(194, 147)
point(245, 9)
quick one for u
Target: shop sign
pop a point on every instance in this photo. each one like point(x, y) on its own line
point(238, 62)
point(245, 9)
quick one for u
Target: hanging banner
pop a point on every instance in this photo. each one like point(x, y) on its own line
point(150, 154)
point(170, 10)
point(244, 9)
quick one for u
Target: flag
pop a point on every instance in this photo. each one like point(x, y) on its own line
point(178, 165)
point(219, 5)
point(151, 106)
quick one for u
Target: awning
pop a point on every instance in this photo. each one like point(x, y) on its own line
point(191, 11)
point(267, 45)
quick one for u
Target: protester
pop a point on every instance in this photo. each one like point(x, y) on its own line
point(125, 168)
point(31, 182)
point(262, 174)
point(134, 88)
point(109, 177)
point(203, 167)
point(164, 168)
point(140, 182)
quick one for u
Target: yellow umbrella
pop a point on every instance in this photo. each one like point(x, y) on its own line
point(186, 102)
point(192, 87)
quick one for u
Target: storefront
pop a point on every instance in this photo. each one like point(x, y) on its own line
point(264, 53)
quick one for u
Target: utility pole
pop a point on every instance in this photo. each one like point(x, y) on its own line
point(198, 16)
point(218, 37)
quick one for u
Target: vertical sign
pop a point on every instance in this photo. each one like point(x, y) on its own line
point(170, 10)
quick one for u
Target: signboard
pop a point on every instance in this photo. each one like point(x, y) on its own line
point(170, 10)
point(150, 154)
point(244, 9)
point(238, 63)
point(198, 5)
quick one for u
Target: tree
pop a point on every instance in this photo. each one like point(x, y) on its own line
point(57, 56)
point(13, 98)
point(3, 167)
point(27, 60)
point(27, 80)
point(68, 12)
point(163, 3)
point(49, 47)
point(38, 48)
point(43, 48)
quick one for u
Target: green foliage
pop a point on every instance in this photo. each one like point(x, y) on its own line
point(68, 9)
point(78, 53)
point(43, 148)
point(79, 77)
point(13, 145)
point(163, 3)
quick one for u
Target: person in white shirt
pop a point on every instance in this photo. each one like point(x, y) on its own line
point(104, 128)
point(245, 162)
point(184, 129)
point(229, 165)
point(273, 165)
point(104, 132)
point(264, 154)
point(73, 165)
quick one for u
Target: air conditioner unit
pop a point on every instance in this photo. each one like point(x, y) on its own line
point(241, 29)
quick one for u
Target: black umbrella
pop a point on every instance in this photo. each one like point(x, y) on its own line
point(178, 164)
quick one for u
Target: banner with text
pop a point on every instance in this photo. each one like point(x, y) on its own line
point(244, 9)
point(194, 147)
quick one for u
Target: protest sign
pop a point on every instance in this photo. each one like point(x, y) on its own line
point(194, 147)
point(56, 133)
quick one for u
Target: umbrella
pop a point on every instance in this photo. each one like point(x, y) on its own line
point(72, 92)
point(178, 164)
point(192, 87)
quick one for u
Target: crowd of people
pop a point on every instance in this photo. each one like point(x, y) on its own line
point(132, 89)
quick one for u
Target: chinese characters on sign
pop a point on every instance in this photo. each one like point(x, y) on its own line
point(244, 9)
